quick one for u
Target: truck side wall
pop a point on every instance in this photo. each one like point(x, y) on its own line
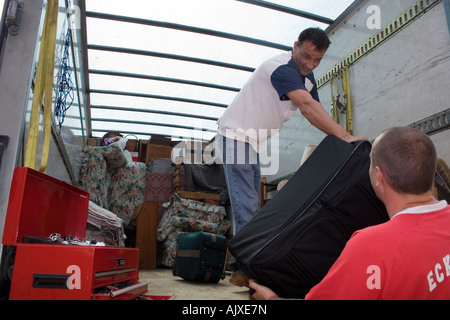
point(403, 81)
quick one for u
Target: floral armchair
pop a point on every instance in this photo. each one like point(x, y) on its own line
point(185, 215)
point(113, 181)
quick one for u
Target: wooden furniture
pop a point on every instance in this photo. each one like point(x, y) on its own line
point(146, 228)
point(264, 199)
point(209, 196)
point(189, 194)
point(149, 151)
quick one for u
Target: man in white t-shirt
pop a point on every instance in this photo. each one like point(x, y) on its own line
point(270, 97)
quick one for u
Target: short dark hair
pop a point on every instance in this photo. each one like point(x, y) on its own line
point(408, 159)
point(317, 36)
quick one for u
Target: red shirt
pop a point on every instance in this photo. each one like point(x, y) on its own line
point(405, 258)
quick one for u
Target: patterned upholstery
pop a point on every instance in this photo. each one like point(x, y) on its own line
point(112, 182)
point(184, 215)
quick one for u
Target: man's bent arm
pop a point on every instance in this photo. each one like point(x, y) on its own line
point(317, 115)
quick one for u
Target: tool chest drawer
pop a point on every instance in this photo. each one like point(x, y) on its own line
point(69, 272)
point(42, 211)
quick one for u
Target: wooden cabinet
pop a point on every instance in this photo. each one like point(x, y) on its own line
point(146, 228)
point(149, 151)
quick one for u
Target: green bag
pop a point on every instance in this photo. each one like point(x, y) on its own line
point(200, 257)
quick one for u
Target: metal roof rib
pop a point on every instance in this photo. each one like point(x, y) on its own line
point(186, 28)
point(170, 56)
point(149, 77)
point(298, 13)
point(196, 116)
point(186, 72)
point(153, 124)
point(153, 96)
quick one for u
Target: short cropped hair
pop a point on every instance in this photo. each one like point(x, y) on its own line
point(317, 36)
point(408, 159)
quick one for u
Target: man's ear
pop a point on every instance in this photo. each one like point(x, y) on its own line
point(295, 47)
point(379, 177)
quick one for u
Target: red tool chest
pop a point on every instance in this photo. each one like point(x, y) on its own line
point(40, 206)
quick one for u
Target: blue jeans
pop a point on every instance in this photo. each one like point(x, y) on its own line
point(243, 177)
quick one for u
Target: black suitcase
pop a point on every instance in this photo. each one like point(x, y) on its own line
point(293, 241)
point(200, 257)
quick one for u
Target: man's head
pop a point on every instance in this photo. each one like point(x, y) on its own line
point(407, 159)
point(310, 49)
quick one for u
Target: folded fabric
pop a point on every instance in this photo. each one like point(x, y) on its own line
point(105, 226)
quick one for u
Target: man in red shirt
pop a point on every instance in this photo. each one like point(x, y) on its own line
point(407, 257)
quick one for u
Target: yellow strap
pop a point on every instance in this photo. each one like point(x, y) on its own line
point(334, 82)
point(43, 85)
point(346, 85)
point(334, 109)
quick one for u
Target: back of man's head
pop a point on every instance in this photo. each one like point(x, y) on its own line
point(408, 159)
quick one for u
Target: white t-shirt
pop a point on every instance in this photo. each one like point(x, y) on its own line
point(262, 106)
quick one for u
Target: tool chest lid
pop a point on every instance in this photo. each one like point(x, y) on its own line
point(40, 205)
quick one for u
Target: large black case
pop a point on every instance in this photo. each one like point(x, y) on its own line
point(296, 237)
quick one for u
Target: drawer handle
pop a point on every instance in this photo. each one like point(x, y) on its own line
point(50, 281)
point(127, 289)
